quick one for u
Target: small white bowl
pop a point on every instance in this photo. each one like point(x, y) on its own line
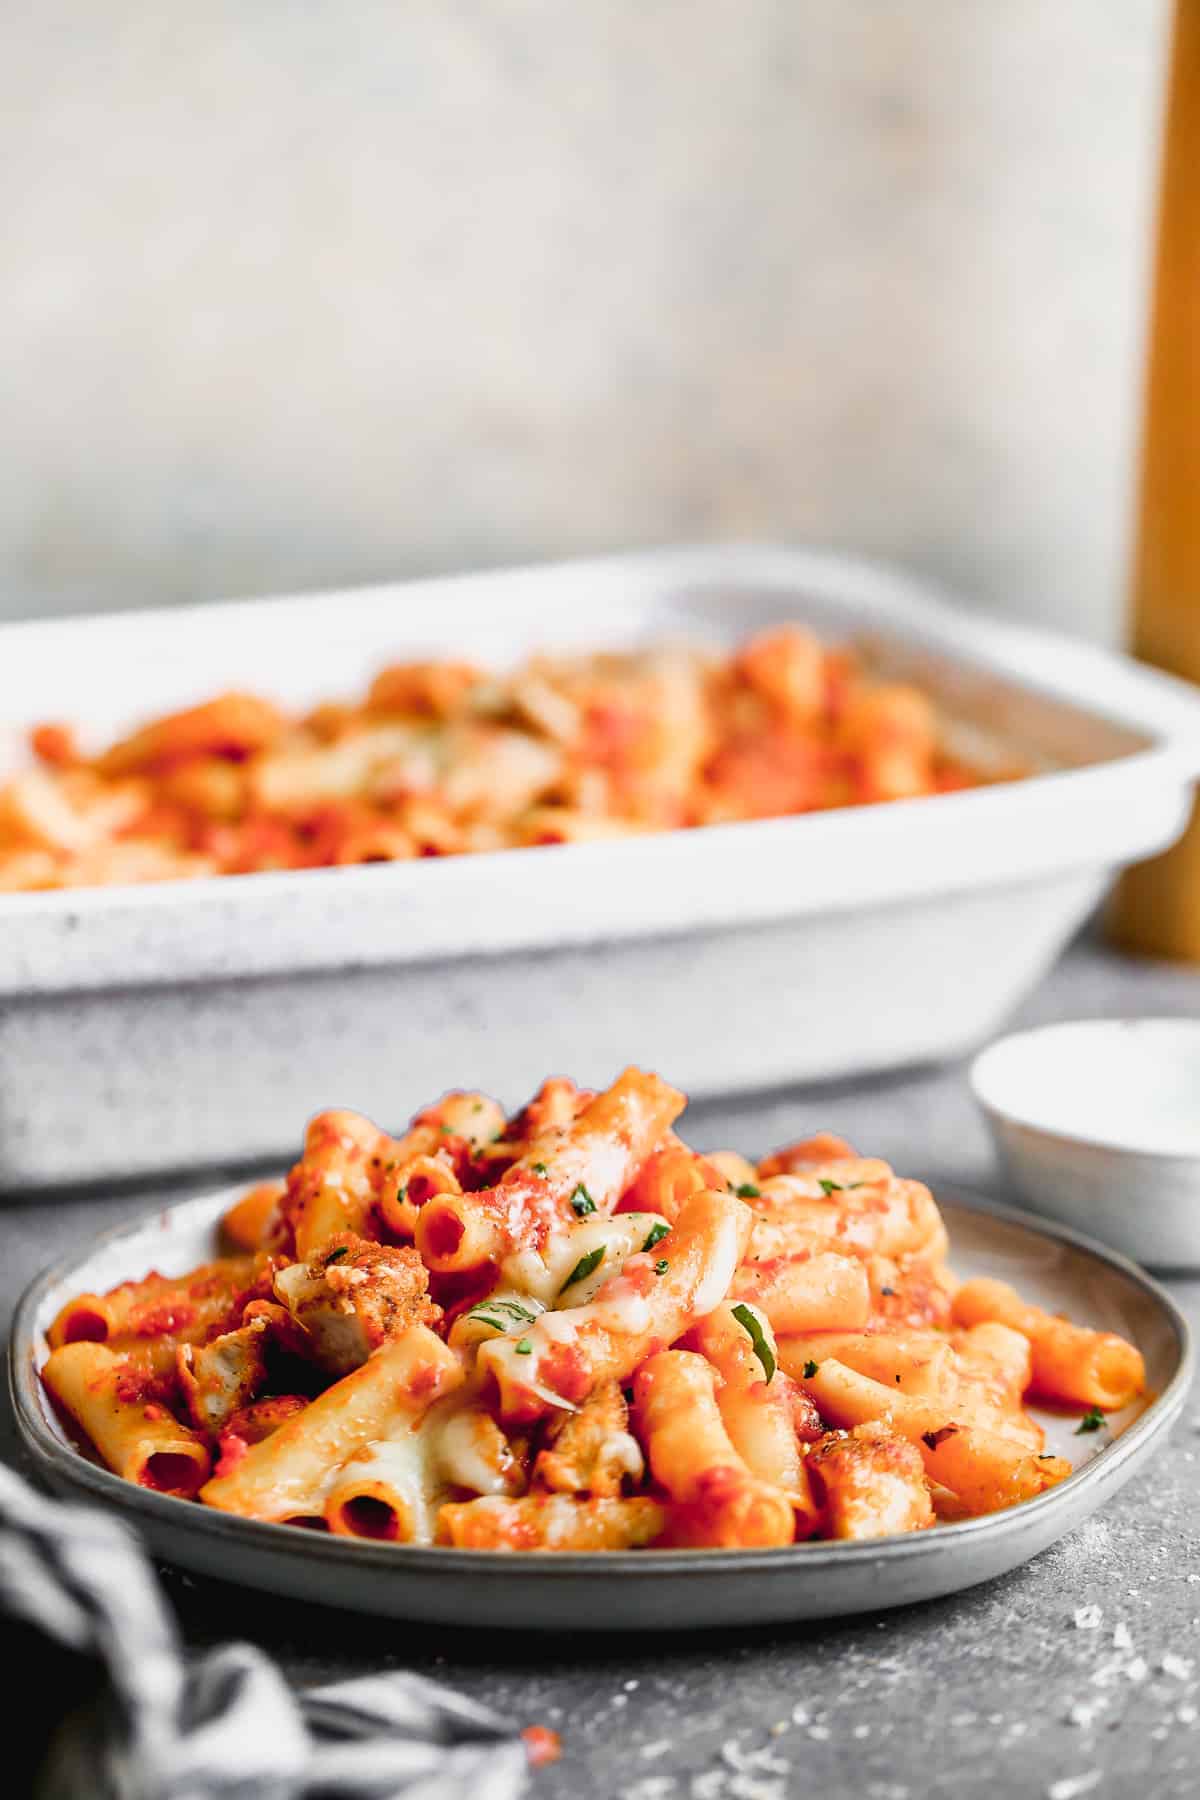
point(1098, 1124)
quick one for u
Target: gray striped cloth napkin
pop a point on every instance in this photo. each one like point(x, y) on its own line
point(155, 1724)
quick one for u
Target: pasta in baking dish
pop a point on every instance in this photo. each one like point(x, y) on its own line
point(567, 1330)
point(443, 758)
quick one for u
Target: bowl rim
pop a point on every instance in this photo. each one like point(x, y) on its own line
point(1110, 1144)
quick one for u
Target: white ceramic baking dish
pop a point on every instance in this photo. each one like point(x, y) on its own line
point(190, 1023)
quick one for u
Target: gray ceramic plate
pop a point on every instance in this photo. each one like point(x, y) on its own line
point(680, 1588)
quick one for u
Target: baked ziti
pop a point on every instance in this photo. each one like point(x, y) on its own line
point(445, 757)
point(567, 1330)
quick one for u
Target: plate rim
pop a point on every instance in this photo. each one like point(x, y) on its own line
point(62, 1465)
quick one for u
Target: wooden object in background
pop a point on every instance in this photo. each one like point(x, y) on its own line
point(1157, 906)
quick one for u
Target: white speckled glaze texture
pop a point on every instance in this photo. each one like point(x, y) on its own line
point(194, 1023)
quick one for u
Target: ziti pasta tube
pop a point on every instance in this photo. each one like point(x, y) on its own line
point(333, 1186)
point(599, 1153)
point(917, 1363)
point(718, 1500)
point(825, 1292)
point(1071, 1364)
point(182, 1308)
point(380, 1492)
point(250, 1220)
point(138, 1439)
point(984, 1469)
point(290, 1474)
point(754, 1395)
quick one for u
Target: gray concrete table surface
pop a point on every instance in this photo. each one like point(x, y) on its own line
point(1079, 1674)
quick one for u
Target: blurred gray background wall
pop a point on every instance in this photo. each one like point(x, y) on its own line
point(303, 292)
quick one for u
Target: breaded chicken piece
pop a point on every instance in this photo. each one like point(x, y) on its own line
point(355, 1295)
point(591, 1451)
point(219, 1378)
point(870, 1483)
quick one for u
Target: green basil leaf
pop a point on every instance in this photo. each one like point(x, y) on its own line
point(752, 1326)
point(583, 1267)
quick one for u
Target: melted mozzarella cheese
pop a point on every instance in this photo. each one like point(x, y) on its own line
point(400, 1465)
point(622, 1451)
point(471, 1454)
point(522, 1369)
point(559, 1327)
point(524, 1272)
point(619, 1238)
point(714, 1284)
point(512, 1312)
point(621, 1307)
point(544, 1277)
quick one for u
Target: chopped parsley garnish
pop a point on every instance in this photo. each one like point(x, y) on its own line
point(524, 1347)
point(660, 1268)
point(1045, 1456)
point(751, 1324)
point(889, 1291)
point(747, 1191)
point(656, 1233)
point(934, 1438)
point(810, 1369)
point(828, 1187)
point(584, 1267)
point(1092, 1420)
point(446, 1130)
point(337, 1255)
point(539, 1168)
point(582, 1203)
